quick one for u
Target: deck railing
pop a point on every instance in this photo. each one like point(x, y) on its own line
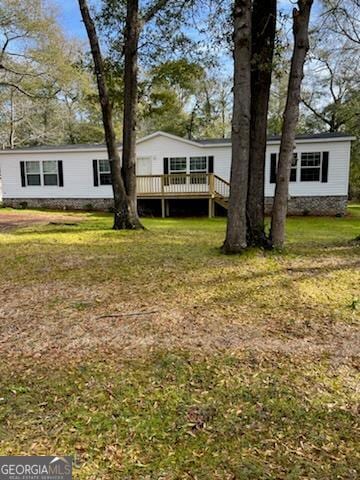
point(206, 184)
point(221, 187)
point(178, 183)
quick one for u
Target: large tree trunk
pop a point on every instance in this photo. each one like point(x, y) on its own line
point(123, 218)
point(132, 31)
point(263, 40)
point(235, 240)
point(301, 17)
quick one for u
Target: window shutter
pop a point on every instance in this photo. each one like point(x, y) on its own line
point(325, 167)
point(61, 173)
point(22, 172)
point(95, 172)
point(166, 166)
point(210, 164)
point(273, 168)
point(166, 171)
point(293, 171)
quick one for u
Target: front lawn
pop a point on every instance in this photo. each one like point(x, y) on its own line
point(149, 355)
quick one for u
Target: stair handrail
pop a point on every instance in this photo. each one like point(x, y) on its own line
point(221, 179)
point(224, 184)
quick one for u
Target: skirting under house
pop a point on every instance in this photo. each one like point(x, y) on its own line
point(297, 206)
point(175, 175)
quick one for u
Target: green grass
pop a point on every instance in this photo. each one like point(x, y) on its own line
point(240, 367)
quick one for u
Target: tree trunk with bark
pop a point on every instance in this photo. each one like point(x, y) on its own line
point(236, 237)
point(131, 43)
point(263, 40)
point(123, 212)
point(301, 17)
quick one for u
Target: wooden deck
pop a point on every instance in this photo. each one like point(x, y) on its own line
point(184, 186)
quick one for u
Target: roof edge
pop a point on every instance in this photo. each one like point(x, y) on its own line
point(337, 137)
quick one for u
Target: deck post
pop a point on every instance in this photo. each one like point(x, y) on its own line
point(211, 207)
point(211, 184)
point(163, 213)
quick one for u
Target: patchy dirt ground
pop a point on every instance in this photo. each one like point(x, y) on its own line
point(149, 355)
point(73, 293)
point(11, 220)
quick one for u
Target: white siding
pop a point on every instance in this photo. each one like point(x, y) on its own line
point(338, 174)
point(78, 170)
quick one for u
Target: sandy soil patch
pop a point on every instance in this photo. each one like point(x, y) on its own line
point(9, 221)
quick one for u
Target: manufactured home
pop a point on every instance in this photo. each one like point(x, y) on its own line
point(173, 171)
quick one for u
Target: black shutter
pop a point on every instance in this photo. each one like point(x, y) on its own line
point(273, 168)
point(22, 171)
point(61, 173)
point(111, 163)
point(293, 170)
point(166, 171)
point(166, 166)
point(95, 172)
point(210, 164)
point(325, 167)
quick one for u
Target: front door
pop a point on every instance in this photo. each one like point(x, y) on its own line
point(144, 166)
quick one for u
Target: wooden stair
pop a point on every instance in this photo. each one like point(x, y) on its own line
point(223, 201)
point(221, 192)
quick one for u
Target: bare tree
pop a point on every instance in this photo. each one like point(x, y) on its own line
point(343, 16)
point(263, 40)
point(301, 18)
point(124, 215)
point(236, 237)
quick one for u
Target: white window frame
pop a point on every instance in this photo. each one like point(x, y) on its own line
point(178, 180)
point(108, 172)
point(201, 179)
point(47, 173)
point(305, 167)
point(41, 173)
point(185, 170)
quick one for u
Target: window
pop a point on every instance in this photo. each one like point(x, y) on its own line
point(198, 165)
point(50, 172)
point(42, 173)
point(178, 166)
point(104, 172)
point(310, 167)
point(273, 167)
point(33, 176)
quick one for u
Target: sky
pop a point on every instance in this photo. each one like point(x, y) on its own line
point(70, 18)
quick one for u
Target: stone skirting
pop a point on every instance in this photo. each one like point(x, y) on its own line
point(89, 204)
point(324, 205)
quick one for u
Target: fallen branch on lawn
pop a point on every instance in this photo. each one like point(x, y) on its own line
point(133, 314)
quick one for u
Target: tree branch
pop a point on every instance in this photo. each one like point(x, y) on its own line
point(153, 10)
point(19, 89)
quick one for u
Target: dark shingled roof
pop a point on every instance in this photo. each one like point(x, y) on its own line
point(324, 135)
point(205, 141)
point(65, 146)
